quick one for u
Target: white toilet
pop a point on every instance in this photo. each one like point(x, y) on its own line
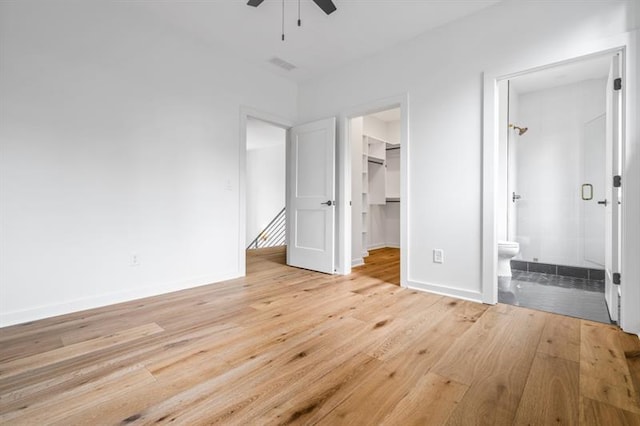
point(506, 251)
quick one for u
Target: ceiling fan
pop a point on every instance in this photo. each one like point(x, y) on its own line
point(327, 6)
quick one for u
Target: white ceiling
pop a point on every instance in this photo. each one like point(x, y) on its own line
point(560, 75)
point(358, 28)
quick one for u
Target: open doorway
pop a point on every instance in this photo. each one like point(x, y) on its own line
point(557, 213)
point(265, 189)
point(375, 193)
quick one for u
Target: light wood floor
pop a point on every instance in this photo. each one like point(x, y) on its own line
point(289, 346)
point(387, 257)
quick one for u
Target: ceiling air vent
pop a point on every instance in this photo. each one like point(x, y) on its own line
point(282, 64)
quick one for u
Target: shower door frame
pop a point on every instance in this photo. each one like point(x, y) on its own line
point(624, 44)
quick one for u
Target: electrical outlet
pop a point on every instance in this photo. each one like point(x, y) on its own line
point(135, 259)
point(438, 256)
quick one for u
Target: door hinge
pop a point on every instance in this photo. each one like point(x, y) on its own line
point(616, 277)
point(617, 84)
point(617, 181)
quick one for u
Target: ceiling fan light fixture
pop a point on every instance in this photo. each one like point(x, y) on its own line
point(327, 7)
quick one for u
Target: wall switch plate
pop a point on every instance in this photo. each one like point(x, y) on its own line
point(438, 256)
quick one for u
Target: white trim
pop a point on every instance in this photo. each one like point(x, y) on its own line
point(82, 304)
point(627, 44)
point(383, 245)
point(344, 181)
point(245, 113)
point(357, 262)
point(474, 296)
point(630, 319)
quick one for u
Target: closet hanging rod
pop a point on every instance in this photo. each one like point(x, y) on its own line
point(375, 161)
point(392, 148)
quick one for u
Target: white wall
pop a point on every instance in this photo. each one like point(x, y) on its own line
point(392, 209)
point(393, 132)
point(384, 219)
point(118, 137)
point(502, 206)
point(265, 180)
point(442, 72)
point(374, 127)
point(549, 164)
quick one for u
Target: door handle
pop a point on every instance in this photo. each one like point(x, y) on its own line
point(515, 197)
point(604, 202)
point(328, 203)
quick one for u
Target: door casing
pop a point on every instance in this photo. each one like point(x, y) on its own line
point(625, 45)
point(343, 193)
point(245, 113)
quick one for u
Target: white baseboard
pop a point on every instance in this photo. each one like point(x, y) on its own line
point(47, 311)
point(357, 262)
point(383, 245)
point(473, 296)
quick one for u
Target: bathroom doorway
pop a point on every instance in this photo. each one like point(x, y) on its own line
point(556, 206)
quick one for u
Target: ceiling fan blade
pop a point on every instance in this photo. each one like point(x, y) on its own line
point(326, 5)
point(254, 3)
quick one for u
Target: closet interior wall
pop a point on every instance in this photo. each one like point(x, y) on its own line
point(375, 185)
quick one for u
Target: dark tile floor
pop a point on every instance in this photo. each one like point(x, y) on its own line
point(574, 297)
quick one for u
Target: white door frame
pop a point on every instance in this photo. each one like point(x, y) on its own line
point(626, 44)
point(245, 113)
point(343, 193)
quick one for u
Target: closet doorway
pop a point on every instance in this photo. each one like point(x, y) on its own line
point(375, 193)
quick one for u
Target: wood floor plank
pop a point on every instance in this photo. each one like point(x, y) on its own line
point(58, 407)
point(597, 413)
point(561, 337)
point(604, 373)
point(171, 380)
point(497, 369)
point(552, 393)
point(431, 402)
point(630, 344)
point(290, 346)
point(317, 372)
point(386, 386)
point(78, 349)
point(28, 388)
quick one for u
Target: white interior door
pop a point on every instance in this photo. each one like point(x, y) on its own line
point(311, 206)
point(593, 190)
point(612, 208)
